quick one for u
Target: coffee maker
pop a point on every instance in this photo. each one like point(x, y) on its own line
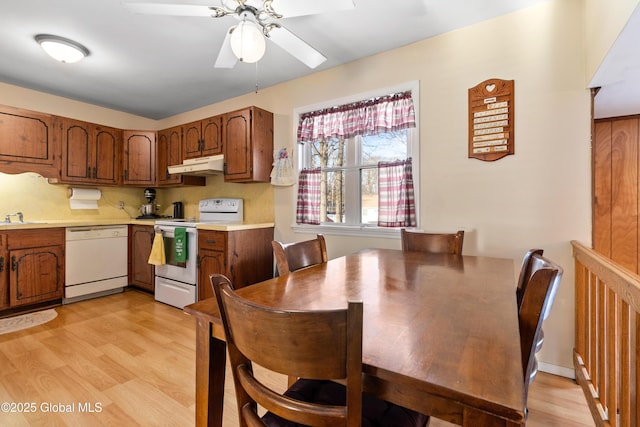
point(149, 209)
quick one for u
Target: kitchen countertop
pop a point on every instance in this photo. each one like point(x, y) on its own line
point(88, 223)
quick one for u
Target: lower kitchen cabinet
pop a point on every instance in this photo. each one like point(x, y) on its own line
point(244, 256)
point(32, 267)
point(141, 273)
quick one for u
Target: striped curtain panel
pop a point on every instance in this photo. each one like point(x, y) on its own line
point(396, 205)
point(308, 207)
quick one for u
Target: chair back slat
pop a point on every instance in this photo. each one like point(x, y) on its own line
point(315, 345)
point(538, 296)
point(294, 256)
point(450, 243)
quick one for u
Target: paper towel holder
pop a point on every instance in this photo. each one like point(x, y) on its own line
point(83, 198)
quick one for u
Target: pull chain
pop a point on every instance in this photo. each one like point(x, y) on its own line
point(257, 76)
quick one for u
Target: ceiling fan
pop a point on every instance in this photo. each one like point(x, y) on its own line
point(245, 41)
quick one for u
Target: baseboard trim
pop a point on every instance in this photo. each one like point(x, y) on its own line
point(557, 370)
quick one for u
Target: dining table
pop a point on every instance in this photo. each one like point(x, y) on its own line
point(440, 334)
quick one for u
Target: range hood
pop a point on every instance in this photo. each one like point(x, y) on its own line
point(201, 166)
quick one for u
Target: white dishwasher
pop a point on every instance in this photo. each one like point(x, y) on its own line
point(95, 261)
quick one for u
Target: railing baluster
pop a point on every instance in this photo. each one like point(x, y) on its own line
point(607, 329)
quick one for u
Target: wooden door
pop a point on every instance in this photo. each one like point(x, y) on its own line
point(211, 136)
point(106, 155)
point(237, 145)
point(139, 161)
point(35, 275)
point(169, 153)
point(141, 274)
point(616, 190)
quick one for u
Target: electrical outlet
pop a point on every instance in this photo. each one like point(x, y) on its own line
point(121, 205)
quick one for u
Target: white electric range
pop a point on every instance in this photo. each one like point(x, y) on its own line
point(176, 282)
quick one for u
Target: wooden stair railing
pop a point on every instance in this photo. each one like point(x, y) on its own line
point(606, 355)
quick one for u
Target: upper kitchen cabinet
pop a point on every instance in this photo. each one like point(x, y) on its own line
point(202, 138)
point(247, 138)
point(169, 153)
point(139, 160)
point(28, 142)
point(90, 153)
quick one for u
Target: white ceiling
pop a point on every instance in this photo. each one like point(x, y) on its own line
point(157, 66)
point(619, 74)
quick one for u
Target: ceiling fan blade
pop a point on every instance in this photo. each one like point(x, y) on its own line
point(169, 9)
point(291, 8)
point(297, 47)
point(226, 57)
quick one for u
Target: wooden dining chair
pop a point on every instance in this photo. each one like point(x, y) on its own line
point(538, 296)
point(531, 262)
point(317, 346)
point(528, 265)
point(294, 256)
point(413, 241)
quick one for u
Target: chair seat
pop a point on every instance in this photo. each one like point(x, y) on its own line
point(375, 412)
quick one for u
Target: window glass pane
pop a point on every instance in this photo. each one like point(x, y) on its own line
point(332, 188)
point(369, 194)
point(329, 153)
point(384, 147)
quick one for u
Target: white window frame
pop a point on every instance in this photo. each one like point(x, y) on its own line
point(413, 152)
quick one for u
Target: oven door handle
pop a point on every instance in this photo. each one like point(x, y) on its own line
point(170, 231)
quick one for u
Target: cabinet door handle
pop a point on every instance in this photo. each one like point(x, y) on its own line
point(1, 264)
point(14, 264)
point(211, 241)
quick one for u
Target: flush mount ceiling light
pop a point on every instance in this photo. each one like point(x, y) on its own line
point(62, 49)
point(247, 41)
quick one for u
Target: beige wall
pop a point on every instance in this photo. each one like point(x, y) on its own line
point(539, 197)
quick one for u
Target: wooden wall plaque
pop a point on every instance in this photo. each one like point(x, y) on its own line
point(491, 125)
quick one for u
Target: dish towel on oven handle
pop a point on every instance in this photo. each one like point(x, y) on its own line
point(180, 244)
point(157, 255)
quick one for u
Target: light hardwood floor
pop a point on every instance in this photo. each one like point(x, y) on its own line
point(128, 360)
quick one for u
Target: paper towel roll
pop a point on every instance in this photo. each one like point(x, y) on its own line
point(84, 198)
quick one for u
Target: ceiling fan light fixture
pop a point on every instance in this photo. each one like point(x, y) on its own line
point(247, 42)
point(62, 49)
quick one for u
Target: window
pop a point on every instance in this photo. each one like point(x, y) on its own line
point(340, 171)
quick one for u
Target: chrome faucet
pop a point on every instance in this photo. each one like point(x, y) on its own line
point(7, 218)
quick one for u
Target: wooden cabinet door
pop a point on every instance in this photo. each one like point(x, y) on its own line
point(192, 144)
point(4, 273)
point(76, 151)
point(139, 161)
point(247, 140)
point(141, 274)
point(107, 146)
point(36, 275)
point(211, 136)
point(202, 138)
point(169, 152)
point(90, 153)
point(209, 262)
point(237, 145)
point(28, 141)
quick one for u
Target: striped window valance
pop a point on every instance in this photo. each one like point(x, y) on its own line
point(369, 117)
